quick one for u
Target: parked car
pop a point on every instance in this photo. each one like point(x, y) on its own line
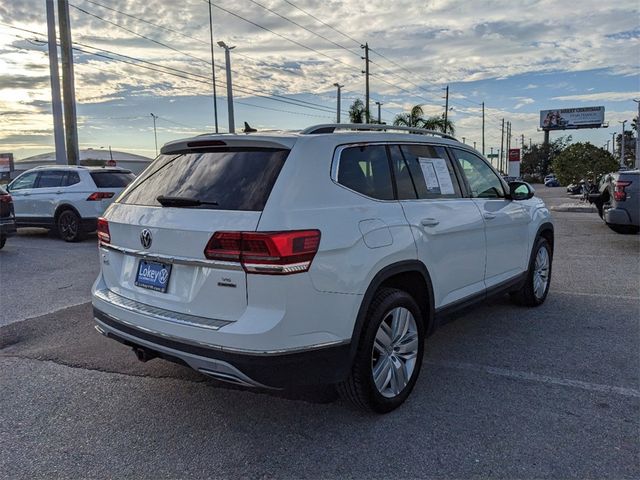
point(551, 176)
point(575, 188)
point(618, 200)
point(68, 199)
point(7, 218)
point(552, 182)
point(320, 257)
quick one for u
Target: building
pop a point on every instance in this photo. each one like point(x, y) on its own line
point(88, 157)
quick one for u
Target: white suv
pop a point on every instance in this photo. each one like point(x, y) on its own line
point(320, 257)
point(66, 198)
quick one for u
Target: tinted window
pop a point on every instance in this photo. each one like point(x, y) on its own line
point(71, 179)
point(404, 181)
point(24, 181)
point(365, 169)
point(233, 178)
point(482, 180)
point(50, 179)
point(112, 179)
point(431, 171)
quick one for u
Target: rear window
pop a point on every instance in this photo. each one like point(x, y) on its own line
point(225, 179)
point(112, 179)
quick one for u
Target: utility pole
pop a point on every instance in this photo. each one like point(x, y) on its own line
point(56, 101)
point(227, 59)
point(637, 165)
point(366, 81)
point(613, 143)
point(464, 140)
point(339, 87)
point(491, 156)
point(68, 88)
point(502, 144)
point(155, 133)
point(608, 141)
point(446, 109)
point(522, 144)
point(379, 115)
point(530, 144)
point(213, 71)
point(474, 146)
point(482, 128)
point(622, 144)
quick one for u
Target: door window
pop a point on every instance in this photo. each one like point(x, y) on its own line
point(50, 179)
point(365, 169)
point(483, 181)
point(427, 168)
point(71, 179)
point(24, 181)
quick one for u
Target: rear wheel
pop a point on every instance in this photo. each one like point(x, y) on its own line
point(535, 289)
point(69, 226)
point(389, 354)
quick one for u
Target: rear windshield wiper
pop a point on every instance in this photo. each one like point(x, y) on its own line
point(185, 202)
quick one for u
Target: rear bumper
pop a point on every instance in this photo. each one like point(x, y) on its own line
point(277, 370)
point(618, 216)
point(7, 226)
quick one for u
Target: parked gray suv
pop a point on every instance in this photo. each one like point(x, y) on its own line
point(618, 201)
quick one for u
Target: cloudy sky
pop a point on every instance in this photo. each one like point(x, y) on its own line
point(517, 56)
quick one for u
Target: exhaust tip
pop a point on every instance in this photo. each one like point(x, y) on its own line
point(143, 354)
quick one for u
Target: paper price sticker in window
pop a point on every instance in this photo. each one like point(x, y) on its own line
point(436, 175)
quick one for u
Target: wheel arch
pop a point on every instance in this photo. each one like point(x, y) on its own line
point(61, 208)
point(547, 232)
point(411, 276)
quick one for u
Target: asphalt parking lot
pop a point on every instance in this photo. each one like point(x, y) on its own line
point(505, 391)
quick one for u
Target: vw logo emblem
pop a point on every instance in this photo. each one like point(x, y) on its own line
point(145, 238)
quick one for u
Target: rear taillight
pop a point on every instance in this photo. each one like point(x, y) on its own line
point(620, 194)
point(276, 253)
point(103, 231)
point(100, 196)
point(6, 198)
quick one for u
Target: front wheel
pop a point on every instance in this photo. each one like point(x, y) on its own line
point(69, 226)
point(389, 354)
point(536, 286)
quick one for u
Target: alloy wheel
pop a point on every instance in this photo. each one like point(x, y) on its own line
point(541, 272)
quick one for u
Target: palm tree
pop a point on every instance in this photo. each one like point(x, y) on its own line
point(415, 119)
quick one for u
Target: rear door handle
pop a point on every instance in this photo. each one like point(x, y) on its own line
point(489, 216)
point(429, 222)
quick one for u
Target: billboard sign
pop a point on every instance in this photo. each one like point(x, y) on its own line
point(569, 118)
point(514, 154)
point(6, 165)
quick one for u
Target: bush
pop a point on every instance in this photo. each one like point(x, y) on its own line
point(583, 161)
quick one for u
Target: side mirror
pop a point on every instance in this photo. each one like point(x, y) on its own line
point(520, 191)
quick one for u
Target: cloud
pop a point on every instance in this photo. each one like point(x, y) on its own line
point(522, 101)
point(600, 97)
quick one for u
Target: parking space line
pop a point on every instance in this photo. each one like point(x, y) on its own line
point(534, 377)
point(603, 295)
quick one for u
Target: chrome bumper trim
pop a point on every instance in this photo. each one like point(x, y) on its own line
point(157, 257)
point(159, 313)
point(219, 348)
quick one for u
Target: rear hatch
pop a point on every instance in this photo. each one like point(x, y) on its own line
point(110, 184)
point(164, 220)
point(6, 205)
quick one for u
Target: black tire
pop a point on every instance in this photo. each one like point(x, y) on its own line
point(527, 294)
point(3, 240)
point(360, 388)
point(69, 226)
point(624, 229)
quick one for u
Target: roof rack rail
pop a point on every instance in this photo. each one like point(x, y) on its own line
point(332, 127)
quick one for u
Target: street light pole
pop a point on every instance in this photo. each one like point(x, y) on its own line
point(339, 87)
point(155, 133)
point(379, 115)
point(637, 165)
point(227, 59)
point(622, 143)
point(56, 101)
point(213, 70)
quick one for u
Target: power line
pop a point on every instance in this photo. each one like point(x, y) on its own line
point(323, 23)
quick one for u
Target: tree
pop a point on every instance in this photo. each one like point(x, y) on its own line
point(357, 111)
point(534, 159)
point(583, 161)
point(629, 147)
point(415, 118)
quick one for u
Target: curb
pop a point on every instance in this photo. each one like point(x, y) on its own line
point(574, 208)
